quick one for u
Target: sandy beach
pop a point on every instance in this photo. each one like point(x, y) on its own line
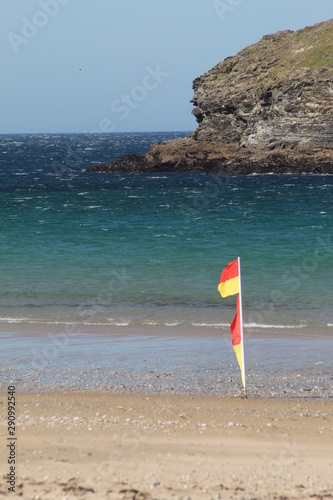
point(162, 417)
point(84, 444)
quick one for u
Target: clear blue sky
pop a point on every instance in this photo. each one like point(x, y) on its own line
point(124, 65)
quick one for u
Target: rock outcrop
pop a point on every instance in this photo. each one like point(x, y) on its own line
point(267, 109)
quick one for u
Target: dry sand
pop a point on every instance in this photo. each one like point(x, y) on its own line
point(121, 446)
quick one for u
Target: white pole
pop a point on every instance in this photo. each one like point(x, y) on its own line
point(241, 321)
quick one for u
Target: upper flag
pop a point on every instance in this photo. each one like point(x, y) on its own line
point(229, 281)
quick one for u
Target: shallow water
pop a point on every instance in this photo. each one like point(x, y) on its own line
point(297, 367)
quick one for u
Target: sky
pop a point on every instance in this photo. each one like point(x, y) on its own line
point(71, 66)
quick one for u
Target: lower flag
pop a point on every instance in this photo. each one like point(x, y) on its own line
point(237, 342)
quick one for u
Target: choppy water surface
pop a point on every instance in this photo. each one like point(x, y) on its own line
point(148, 249)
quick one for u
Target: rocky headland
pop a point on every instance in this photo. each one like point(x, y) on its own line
point(267, 109)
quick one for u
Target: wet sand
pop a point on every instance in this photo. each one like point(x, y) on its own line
point(84, 444)
point(168, 361)
point(126, 415)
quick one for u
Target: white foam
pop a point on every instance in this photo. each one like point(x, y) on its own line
point(214, 325)
point(14, 320)
point(259, 325)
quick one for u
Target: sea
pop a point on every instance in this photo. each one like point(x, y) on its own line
point(137, 254)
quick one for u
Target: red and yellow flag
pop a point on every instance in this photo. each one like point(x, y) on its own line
point(236, 335)
point(229, 281)
point(230, 285)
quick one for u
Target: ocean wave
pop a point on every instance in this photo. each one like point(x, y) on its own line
point(14, 320)
point(249, 325)
point(211, 325)
point(259, 325)
point(150, 323)
point(36, 321)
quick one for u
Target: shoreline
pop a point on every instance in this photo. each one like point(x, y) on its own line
point(282, 367)
point(204, 330)
point(121, 446)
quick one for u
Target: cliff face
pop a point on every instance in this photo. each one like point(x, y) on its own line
point(280, 89)
point(269, 108)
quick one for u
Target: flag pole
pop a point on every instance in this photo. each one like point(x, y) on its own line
point(241, 323)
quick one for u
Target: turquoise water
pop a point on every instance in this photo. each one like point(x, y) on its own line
point(148, 249)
